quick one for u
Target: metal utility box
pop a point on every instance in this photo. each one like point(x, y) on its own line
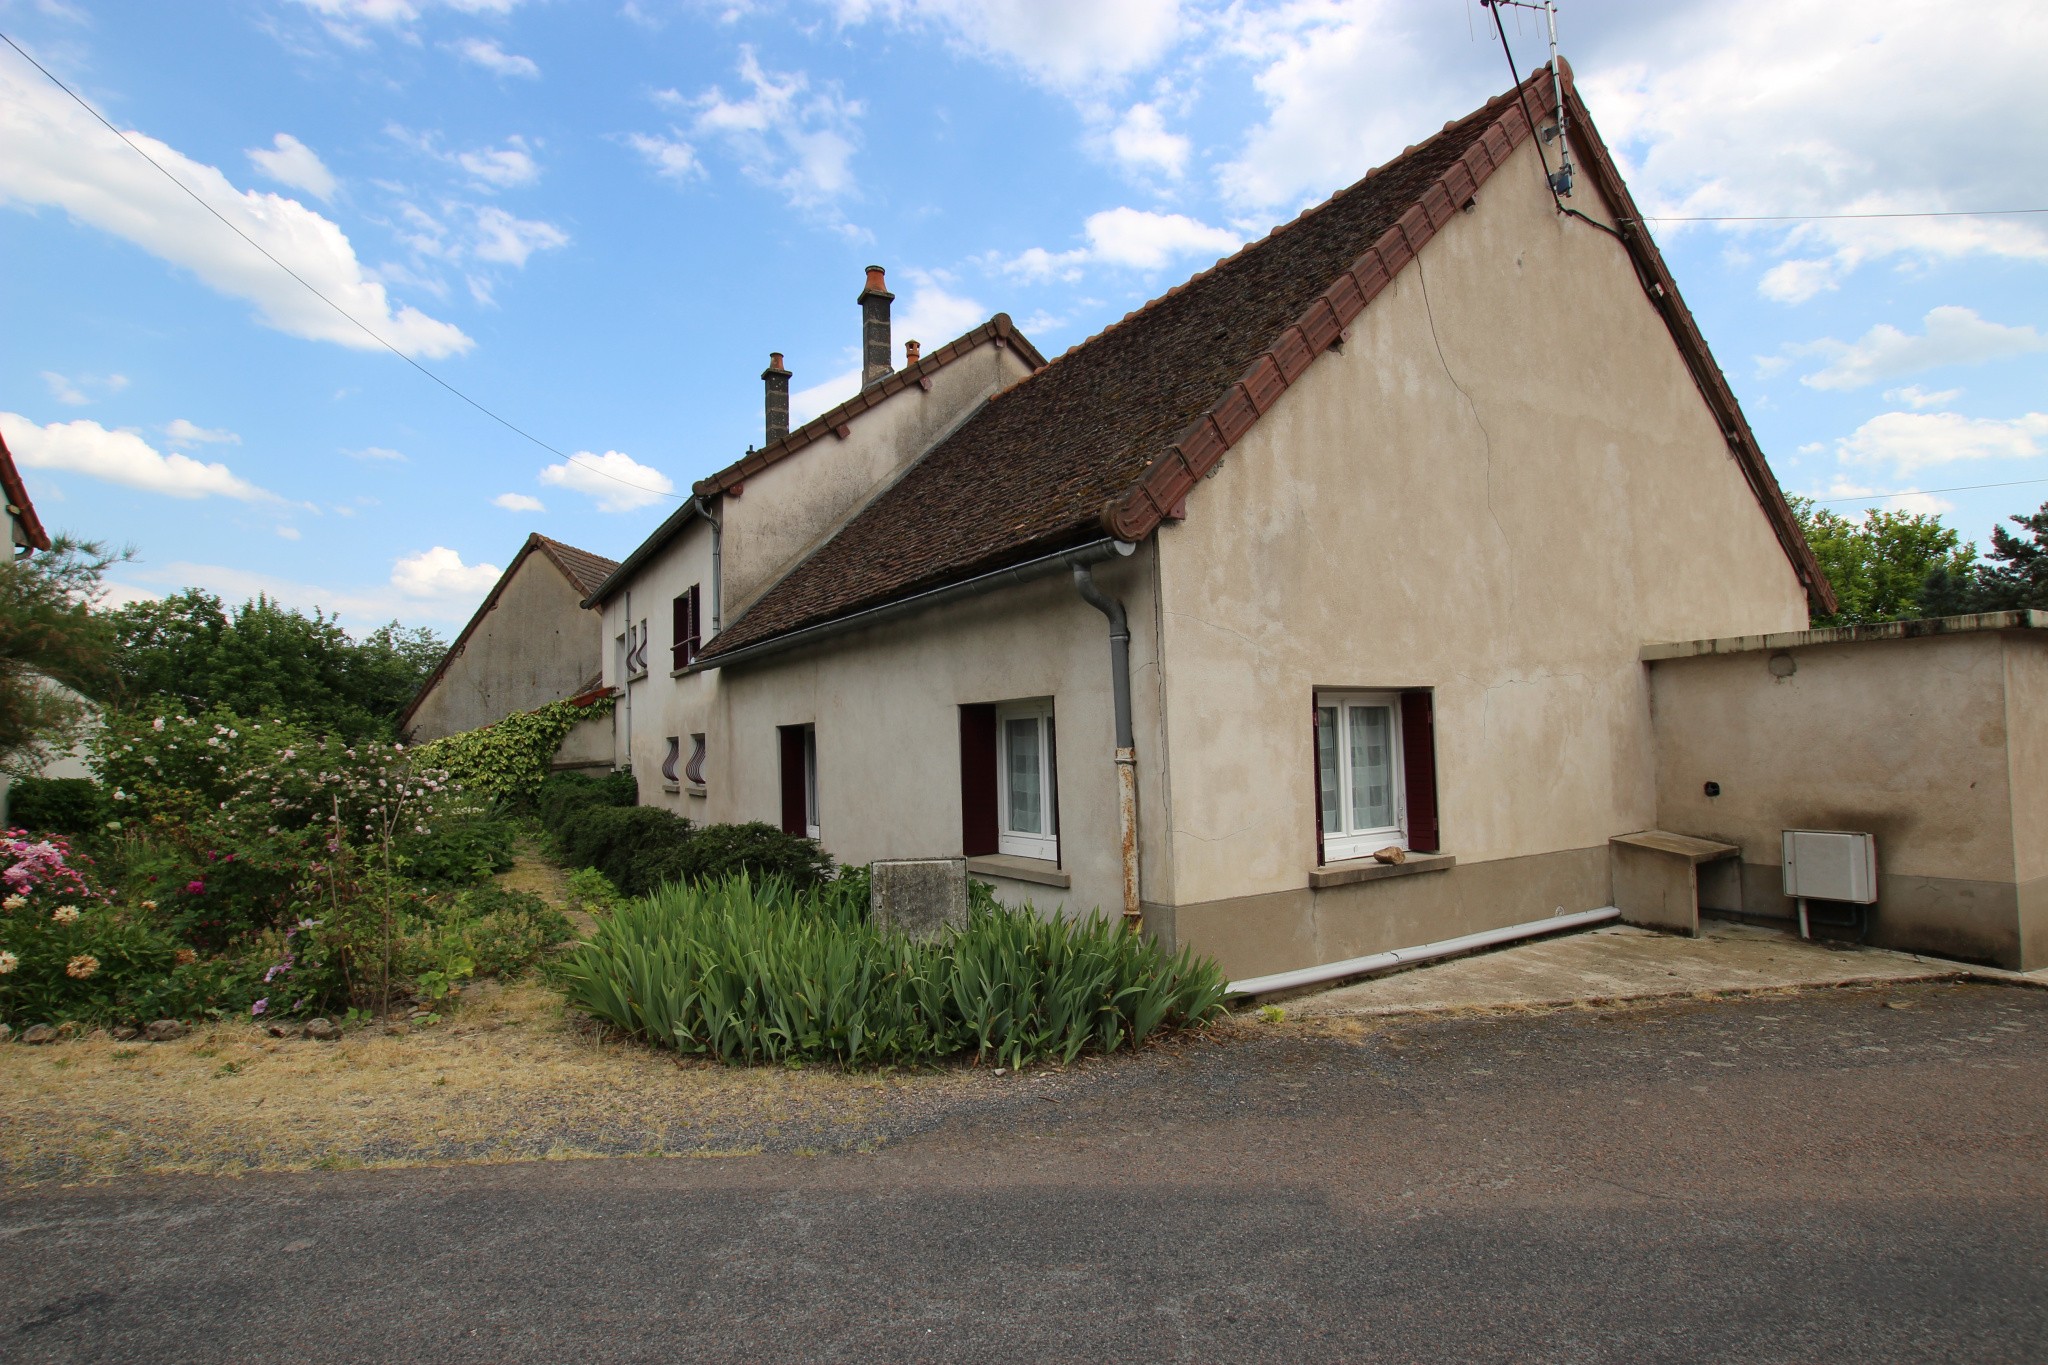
point(1830, 865)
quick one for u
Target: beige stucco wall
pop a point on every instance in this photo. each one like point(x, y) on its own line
point(790, 508)
point(1502, 486)
point(658, 705)
point(1933, 745)
point(886, 705)
point(536, 645)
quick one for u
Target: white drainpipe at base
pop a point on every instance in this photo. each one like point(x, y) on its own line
point(1405, 957)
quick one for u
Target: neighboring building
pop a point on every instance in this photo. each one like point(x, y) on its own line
point(531, 642)
point(28, 536)
point(1390, 501)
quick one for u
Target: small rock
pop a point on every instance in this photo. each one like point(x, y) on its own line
point(322, 1030)
point(398, 1029)
point(1393, 855)
point(1002, 1071)
point(35, 1035)
point(164, 1030)
point(275, 1030)
point(5, 1033)
point(1898, 1004)
point(125, 1033)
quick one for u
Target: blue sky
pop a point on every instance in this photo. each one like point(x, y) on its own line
point(596, 219)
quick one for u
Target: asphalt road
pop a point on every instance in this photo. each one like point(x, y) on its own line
point(1846, 1175)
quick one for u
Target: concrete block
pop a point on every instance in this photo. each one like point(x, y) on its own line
point(920, 896)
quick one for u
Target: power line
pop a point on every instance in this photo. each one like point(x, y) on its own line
point(1822, 217)
point(1917, 492)
point(366, 329)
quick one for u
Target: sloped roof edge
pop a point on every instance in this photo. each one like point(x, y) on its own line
point(998, 330)
point(1169, 479)
point(551, 551)
point(17, 499)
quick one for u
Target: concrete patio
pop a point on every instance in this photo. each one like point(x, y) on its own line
point(1621, 962)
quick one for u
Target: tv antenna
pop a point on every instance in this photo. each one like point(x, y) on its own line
point(1561, 178)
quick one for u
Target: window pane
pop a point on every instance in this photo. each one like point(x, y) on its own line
point(1052, 777)
point(1020, 771)
point(1326, 769)
point(1372, 767)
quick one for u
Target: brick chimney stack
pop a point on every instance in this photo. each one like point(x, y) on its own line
point(874, 324)
point(777, 381)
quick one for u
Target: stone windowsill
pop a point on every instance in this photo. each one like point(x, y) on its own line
point(1013, 868)
point(641, 676)
point(672, 786)
point(697, 789)
point(1366, 870)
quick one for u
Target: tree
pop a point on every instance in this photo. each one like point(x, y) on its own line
point(191, 650)
point(2018, 574)
point(1890, 566)
point(49, 634)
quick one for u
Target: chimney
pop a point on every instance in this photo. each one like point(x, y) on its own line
point(777, 380)
point(874, 328)
point(909, 354)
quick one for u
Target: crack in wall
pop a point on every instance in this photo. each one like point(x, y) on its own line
point(1486, 436)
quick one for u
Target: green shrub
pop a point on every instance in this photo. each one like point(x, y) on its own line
point(592, 892)
point(750, 972)
point(495, 932)
point(57, 805)
point(564, 794)
point(461, 851)
point(637, 848)
point(758, 850)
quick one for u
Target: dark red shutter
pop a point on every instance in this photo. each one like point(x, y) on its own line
point(978, 820)
point(1418, 761)
point(679, 611)
point(793, 802)
point(696, 639)
point(1315, 771)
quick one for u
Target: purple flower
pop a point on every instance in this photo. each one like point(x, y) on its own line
point(259, 1006)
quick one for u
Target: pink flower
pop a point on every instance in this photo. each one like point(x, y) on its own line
point(259, 1006)
point(195, 888)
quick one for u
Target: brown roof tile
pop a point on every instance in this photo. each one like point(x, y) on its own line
point(582, 568)
point(1110, 436)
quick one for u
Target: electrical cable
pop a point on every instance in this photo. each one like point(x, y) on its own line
point(1825, 217)
point(1918, 492)
point(367, 330)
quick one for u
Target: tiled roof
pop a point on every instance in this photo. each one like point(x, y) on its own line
point(582, 568)
point(1109, 437)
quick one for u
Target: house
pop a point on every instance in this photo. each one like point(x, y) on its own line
point(1351, 541)
point(28, 536)
point(531, 642)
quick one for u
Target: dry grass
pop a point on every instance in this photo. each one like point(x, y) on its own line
point(510, 1076)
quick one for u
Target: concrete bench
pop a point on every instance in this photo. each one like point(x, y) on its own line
point(1661, 879)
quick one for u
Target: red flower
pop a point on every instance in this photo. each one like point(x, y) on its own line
point(195, 888)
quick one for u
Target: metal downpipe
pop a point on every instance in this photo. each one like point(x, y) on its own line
point(1126, 745)
point(717, 554)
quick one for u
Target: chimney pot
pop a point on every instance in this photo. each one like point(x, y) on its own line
point(776, 380)
point(910, 351)
point(874, 323)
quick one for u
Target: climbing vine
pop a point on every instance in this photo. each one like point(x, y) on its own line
point(509, 758)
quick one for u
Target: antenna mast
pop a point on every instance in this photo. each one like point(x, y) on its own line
point(1561, 178)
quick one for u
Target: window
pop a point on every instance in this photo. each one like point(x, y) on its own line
point(1009, 780)
point(688, 621)
point(1375, 773)
point(799, 752)
point(694, 769)
point(634, 645)
point(669, 761)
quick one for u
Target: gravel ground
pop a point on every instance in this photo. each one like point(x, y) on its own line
point(1849, 1174)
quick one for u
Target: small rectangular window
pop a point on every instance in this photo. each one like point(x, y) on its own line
point(799, 757)
point(1359, 772)
point(1028, 790)
point(694, 769)
point(687, 627)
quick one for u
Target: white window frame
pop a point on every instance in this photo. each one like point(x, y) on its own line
point(1045, 844)
point(1348, 841)
point(812, 827)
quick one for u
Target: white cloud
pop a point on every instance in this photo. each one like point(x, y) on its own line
point(1798, 281)
point(1908, 442)
point(77, 391)
point(351, 20)
point(518, 502)
point(123, 457)
point(617, 482)
point(1913, 396)
point(1141, 142)
point(1132, 239)
point(1805, 107)
point(487, 54)
point(288, 532)
point(291, 162)
point(53, 153)
point(783, 133)
point(669, 156)
point(928, 312)
point(1951, 336)
point(1922, 504)
point(375, 453)
point(1065, 44)
point(509, 241)
point(504, 168)
point(183, 433)
point(440, 573)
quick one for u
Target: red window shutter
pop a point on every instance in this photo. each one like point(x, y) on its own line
point(1315, 771)
point(1418, 759)
point(793, 803)
point(679, 611)
point(978, 820)
point(696, 637)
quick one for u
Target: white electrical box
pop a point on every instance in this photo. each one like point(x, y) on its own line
point(1831, 865)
